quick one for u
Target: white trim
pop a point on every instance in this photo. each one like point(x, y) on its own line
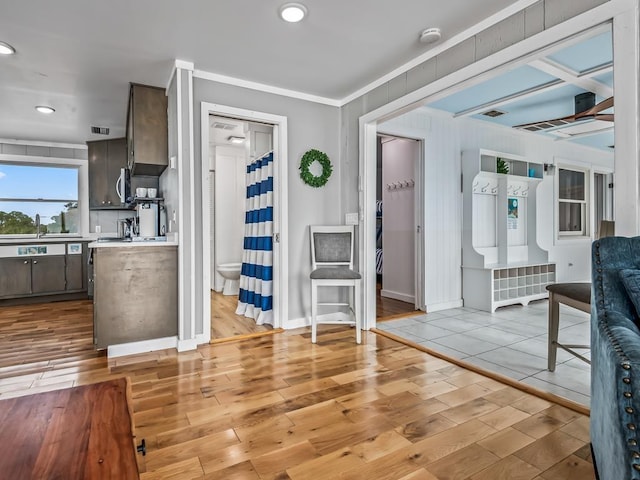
point(183, 65)
point(189, 344)
point(143, 346)
point(262, 87)
point(181, 210)
point(436, 307)
point(516, 54)
point(192, 202)
point(281, 215)
point(35, 143)
point(626, 48)
point(446, 45)
point(403, 297)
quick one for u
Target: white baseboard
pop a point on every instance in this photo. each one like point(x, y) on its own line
point(143, 346)
point(202, 339)
point(306, 321)
point(189, 344)
point(403, 297)
point(435, 307)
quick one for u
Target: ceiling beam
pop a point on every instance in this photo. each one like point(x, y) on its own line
point(585, 82)
point(498, 102)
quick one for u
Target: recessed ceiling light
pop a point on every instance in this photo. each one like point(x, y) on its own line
point(233, 139)
point(430, 35)
point(293, 12)
point(45, 109)
point(6, 49)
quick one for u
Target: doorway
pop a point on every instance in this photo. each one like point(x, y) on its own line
point(397, 272)
point(233, 145)
point(258, 131)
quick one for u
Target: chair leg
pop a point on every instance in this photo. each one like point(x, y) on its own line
point(356, 312)
point(554, 321)
point(314, 310)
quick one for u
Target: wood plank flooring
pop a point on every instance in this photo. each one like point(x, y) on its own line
point(390, 308)
point(224, 321)
point(279, 407)
point(31, 334)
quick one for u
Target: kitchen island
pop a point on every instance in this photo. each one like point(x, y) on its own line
point(135, 292)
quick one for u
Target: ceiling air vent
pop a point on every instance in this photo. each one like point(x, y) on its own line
point(493, 113)
point(100, 130)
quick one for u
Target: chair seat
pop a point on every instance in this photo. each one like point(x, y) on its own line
point(576, 291)
point(334, 273)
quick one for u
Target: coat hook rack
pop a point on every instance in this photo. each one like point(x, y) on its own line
point(401, 184)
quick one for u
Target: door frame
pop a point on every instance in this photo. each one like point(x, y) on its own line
point(280, 212)
point(624, 16)
point(418, 199)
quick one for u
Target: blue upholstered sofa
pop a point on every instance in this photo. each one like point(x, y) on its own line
point(615, 357)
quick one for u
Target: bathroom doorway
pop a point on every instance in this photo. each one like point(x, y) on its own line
point(233, 144)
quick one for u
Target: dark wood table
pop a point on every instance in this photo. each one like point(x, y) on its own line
point(76, 433)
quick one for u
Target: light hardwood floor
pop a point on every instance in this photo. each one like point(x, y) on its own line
point(279, 407)
point(226, 324)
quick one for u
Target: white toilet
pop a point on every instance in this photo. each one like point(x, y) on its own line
point(231, 274)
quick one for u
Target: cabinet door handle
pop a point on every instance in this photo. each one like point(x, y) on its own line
point(26, 262)
point(35, 261)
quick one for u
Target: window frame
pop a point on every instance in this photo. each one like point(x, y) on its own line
point(589, 170)
point(83, 196)
point(586, 203)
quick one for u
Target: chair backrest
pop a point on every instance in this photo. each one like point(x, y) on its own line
point(331, 245)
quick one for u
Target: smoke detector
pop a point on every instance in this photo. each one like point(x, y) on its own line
point(430, 35)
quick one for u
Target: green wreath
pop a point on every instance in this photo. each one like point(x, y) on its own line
point(307, 160)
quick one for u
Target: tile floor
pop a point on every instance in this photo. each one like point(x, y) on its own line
point(512, 341)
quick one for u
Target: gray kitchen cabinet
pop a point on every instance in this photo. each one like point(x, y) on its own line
point(37, 278)
point(15, 277)
point(135, 294)
point(76, 272)
point(106, 158)
point(47, 274)
point(147, 135)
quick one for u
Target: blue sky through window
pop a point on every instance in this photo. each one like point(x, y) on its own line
point(37, 182)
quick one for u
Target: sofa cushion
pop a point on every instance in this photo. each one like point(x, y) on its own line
point(631, 281)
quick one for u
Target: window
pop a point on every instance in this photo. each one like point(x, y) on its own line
point(37, 198)
point(572, 202)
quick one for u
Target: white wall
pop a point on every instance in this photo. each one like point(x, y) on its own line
point(446, 138)
point(229, 164)
point(399, 157)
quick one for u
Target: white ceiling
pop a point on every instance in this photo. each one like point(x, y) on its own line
point(80, 55)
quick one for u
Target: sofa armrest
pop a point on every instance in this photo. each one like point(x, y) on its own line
point(615, 395)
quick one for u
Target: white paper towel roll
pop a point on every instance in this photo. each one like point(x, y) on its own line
point(147, 219)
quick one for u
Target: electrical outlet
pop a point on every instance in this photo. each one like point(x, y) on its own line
point(98, 229)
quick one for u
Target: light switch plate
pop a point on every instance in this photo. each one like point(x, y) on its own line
point(351, 218)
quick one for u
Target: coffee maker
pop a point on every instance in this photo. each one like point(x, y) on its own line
point(148, 219)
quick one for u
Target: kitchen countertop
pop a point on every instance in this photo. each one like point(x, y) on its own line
point(44, 239)
point(144, 244)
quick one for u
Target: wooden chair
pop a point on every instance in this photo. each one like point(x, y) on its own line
point(332, 250)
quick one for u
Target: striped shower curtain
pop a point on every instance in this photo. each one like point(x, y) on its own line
point(256, 279)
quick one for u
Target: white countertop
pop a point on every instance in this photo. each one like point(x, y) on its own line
point(44, 239)
point(144, 244)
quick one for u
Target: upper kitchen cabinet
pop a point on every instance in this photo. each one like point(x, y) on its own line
point(147, 130)
point(106, 158)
